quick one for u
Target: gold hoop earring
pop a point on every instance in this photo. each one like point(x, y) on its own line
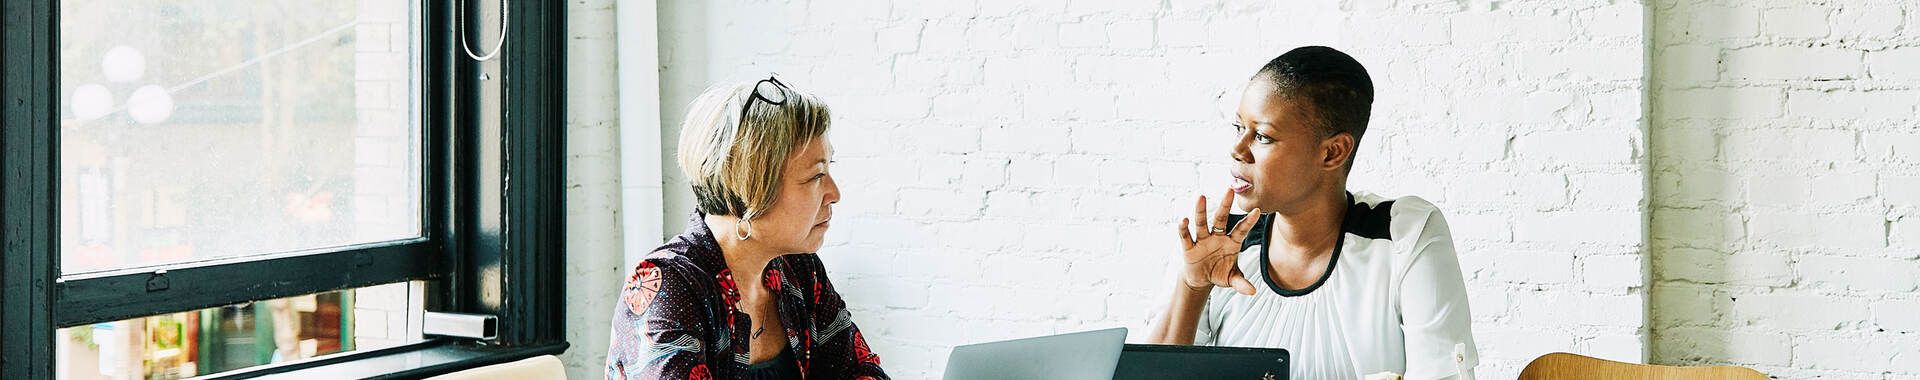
point(749, 224)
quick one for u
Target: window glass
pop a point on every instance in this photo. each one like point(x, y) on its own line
point(194, 130)
point(200, 342)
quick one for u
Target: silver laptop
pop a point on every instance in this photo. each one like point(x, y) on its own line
point(1090, 355)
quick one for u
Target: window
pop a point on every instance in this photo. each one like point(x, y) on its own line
point(204, 130)
point(238, 336)
point(200, 132)
point(239, 188)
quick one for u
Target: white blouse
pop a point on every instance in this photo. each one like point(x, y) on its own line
point(1393, 300)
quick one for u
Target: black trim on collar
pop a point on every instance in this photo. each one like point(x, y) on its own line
point(1267, 271)
point(1359, 219)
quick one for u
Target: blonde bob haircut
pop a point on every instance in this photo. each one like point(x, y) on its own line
point(733, 162)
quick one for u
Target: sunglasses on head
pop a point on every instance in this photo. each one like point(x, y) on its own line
point(768, 90)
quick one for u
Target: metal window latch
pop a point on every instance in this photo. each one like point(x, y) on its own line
point(158, 281)
point(460, 325)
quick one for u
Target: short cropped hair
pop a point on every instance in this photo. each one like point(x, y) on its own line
point(733, 165)
point(1337, 93)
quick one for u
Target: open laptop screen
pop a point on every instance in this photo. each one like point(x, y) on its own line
point(1077, 356)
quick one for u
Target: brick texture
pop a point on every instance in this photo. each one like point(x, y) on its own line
point(594, 231)
point(1011, 167)
point(1690, 183)
point(1779, 193)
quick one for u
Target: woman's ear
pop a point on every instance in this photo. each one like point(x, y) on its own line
point(1338, 150)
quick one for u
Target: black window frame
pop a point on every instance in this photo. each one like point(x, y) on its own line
point(492, 208)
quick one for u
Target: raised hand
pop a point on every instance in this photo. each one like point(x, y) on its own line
point(1212, 249)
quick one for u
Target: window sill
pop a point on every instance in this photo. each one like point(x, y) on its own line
point(426, 359)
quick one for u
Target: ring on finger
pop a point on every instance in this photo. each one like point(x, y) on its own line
point(1217, 230)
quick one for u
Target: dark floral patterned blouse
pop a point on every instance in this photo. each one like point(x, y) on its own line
point(676, 318)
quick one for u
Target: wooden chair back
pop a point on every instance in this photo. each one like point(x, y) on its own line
point(1565, 366)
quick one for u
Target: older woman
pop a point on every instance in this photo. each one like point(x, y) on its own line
point(737, 296)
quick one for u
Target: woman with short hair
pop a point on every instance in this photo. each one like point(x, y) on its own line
point(738, 295)
point(1350, 283)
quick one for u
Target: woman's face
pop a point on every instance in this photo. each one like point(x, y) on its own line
point(797, 221)
point(1279, 159)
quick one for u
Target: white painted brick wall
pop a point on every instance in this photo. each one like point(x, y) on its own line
point(1782, 198)
point(594, 263)
point(1010, 168)
point(1784, 221)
